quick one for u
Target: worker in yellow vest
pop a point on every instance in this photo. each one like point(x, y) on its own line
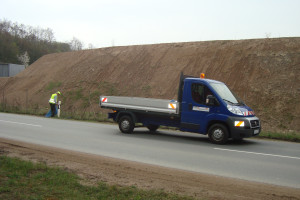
point(53, 102)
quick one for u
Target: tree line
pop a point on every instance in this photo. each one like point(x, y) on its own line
point(21, 44)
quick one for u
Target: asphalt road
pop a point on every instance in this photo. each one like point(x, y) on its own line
point(265, 161)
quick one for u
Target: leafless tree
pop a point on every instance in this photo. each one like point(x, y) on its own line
point(91, 46)
point(76, 44)
point(49, 35)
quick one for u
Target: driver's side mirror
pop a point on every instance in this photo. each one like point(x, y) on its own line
point(211, 101)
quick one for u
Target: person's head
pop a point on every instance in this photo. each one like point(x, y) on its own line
point(58, 92)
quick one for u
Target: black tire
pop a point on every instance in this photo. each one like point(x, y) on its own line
point(218, 134)
point(152, 128)
point(126, 124)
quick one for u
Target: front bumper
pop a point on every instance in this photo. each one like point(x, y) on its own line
point(251, 127)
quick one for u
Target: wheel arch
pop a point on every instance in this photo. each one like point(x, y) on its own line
point(129, 113)
point(218, 122)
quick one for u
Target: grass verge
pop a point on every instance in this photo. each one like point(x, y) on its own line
point(26, 180)
point(292, 136)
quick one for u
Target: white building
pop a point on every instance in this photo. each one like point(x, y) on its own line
point(9, 70)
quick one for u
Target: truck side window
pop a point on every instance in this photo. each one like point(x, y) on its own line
point(199, 93)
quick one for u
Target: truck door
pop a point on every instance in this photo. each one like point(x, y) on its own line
point(194, 110)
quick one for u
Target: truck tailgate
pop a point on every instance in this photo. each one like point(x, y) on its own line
point(137, 103)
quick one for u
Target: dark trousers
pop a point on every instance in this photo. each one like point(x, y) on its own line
point(52, 109)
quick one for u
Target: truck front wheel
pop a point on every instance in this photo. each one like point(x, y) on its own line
point(126, 124)
point(218, 134)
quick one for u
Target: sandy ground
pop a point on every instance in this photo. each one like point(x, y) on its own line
point(95, 168)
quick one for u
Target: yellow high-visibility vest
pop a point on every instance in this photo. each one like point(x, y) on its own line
point(53, 99)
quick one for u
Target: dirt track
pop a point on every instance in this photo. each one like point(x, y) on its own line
point(94, 168)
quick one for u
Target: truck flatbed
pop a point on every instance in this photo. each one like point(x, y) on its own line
point(141, 104)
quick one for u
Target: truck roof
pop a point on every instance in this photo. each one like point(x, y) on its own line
point(205, 80)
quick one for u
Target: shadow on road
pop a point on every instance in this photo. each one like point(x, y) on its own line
point(180, 137)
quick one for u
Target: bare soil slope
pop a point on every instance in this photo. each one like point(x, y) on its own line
point(265, 73)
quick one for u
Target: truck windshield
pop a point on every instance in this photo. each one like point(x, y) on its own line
point(226, 94)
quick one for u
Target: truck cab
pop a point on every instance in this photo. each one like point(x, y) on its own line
point(209, 107)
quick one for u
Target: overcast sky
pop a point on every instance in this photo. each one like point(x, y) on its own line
point(131, 22)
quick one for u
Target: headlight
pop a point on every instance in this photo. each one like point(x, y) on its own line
point(234, 110)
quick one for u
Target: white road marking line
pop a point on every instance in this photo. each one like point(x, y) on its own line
point(21, 123)
point(264, 154)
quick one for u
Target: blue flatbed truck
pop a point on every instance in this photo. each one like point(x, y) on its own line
point(203, 106)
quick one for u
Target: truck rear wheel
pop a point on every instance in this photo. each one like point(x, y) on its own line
point(152, 128)
point(218, 134)
point(126, 124)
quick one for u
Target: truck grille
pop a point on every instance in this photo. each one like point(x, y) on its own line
point(254, 123)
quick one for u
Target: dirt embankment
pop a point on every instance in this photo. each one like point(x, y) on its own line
point(263, 72)
point(93, 168)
